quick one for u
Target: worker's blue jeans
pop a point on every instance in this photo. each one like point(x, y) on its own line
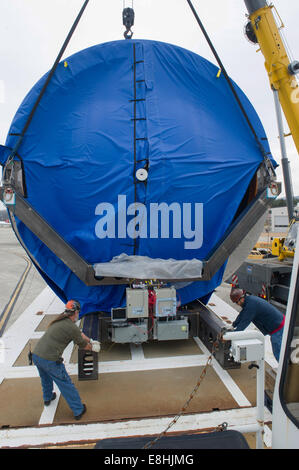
point(276, 343)
point(50, 372)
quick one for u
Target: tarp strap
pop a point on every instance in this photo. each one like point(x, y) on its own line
point(231, 85)
point(42, 92)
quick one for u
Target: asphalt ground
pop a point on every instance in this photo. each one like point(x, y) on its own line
point(20, 282)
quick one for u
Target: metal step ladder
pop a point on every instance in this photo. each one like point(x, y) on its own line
point(88, 360)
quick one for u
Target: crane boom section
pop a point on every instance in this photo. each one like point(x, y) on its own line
point(277, 65)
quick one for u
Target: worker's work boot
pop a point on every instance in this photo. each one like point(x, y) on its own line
point(81, 414)
point(47, 403)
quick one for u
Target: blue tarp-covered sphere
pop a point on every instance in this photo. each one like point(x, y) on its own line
point(134, 124)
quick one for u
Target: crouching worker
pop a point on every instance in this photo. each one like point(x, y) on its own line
point(47, 357)
point(267, 318)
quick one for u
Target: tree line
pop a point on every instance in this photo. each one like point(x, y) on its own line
point(281, 202)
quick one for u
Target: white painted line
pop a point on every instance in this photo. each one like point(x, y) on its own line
point(119, 366)
point(48, 412)
point(137, 352)
point(37, 334)
point(22, 330)
point(54, 435)
point(229, 383)
point(18, 335)
point(25, 372)
point(153, 364)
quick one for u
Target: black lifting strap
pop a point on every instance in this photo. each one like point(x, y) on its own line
point(128, 21)
point(230, 83)
point(51, 73)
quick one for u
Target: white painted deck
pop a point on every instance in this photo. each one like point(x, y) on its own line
point(46, 433)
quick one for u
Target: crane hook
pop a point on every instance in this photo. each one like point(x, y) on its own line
point(128, 22)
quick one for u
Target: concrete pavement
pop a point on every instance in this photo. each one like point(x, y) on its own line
point(13, 265)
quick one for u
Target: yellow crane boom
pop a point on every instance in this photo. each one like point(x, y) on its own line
point(264, 30)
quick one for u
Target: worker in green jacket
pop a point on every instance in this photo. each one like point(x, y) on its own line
point(47, 356)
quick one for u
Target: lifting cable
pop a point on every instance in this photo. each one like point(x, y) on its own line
point(128, 20)
point(230, 83)
point(42, 92)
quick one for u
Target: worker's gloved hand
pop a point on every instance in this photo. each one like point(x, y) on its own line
point(95, 345)
point(227, 329)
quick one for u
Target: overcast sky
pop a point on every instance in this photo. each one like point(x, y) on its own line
point(32, 32)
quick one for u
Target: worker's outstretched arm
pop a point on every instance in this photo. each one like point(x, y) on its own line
point(88, 346)
point(244, 319)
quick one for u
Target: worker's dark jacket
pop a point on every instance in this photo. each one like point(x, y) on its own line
point(261, 313)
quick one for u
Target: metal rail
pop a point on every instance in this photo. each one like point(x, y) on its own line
point(85, 271)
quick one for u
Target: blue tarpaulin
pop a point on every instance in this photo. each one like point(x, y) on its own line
point(109, 111)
